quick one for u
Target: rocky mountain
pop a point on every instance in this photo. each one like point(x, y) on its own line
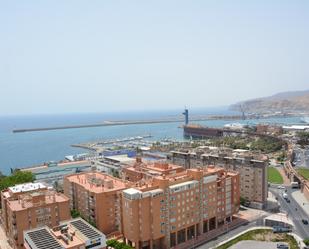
point(285, 102)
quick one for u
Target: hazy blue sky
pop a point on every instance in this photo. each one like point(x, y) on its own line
point(94, 56)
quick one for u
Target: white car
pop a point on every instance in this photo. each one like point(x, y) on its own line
point(281, 187)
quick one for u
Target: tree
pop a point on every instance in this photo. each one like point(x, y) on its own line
point(18, 177)
point(75, 213)
point(306, 241)
point(303, 138)
point(117, 245)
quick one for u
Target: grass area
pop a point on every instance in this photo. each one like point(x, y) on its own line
point(274, 176)
point(304, 172)
point(262, 235)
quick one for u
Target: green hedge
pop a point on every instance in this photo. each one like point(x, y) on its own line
point(118, 245)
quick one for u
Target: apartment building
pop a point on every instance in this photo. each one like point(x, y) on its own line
point(172, 209)
point(29, 206)
point(72, 234)
point(97, 197)
point(252, 168)
point(146, 171)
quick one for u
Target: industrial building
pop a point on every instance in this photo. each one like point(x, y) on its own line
point(29, 206)
point(72, 234)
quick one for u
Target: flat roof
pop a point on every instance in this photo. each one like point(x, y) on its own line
point(17, 205)
point(121, 158)
point(296, 127)
point(280, 217)
point(41, 238)
point(183, 184)
point(132, 191)
point(87, 230)
point(27, 187)
point(105, 182)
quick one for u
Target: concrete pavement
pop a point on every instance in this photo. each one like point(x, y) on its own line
point(254, 244)
point(3, 239)
point(296, 237)
point(294, 211)
point(302, 201)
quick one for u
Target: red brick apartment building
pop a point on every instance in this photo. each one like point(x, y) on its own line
point(31, 205)
point(163, 206)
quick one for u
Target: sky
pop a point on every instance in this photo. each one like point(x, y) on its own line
point(97, 56)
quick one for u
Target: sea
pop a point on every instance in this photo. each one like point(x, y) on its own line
point(18, 150)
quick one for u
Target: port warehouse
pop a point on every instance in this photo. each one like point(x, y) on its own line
point(52, 171)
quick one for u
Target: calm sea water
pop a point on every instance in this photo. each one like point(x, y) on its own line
point(30, 148)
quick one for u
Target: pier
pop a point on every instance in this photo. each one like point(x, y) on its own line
point(135, 122)
point(194, 118)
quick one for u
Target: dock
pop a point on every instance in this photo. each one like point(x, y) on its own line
point(133, 122)
point(177, 119)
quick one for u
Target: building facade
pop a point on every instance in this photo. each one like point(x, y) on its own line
point(252, 170)
point(29, 206)
point(172, 209)
point(97, 197)
point(157, 205)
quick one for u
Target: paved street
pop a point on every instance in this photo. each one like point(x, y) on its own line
point(301, 157)
point(255, 245)
point(294, 211)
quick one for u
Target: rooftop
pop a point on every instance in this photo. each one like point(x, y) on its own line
point(41, 238)
point(121, 158)
point(35, 199)
point(26, 187)
point(97, 182)
point(74, 233)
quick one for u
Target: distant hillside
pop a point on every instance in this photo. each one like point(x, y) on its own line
point(285, 102)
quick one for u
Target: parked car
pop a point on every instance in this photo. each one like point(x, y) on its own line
point(278, 229)
point(282, 246)
point(304, 221)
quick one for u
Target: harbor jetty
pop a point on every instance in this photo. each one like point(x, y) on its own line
point(131, 122)
point(176, 119)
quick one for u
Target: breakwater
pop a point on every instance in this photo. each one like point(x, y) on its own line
point(134, 122)
point(194, 118)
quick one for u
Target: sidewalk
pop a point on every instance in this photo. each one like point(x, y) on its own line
point(3, 239)
point(301, 200)
point(296, 237)
point(286, 180)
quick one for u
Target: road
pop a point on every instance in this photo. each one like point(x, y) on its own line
point(294, 211)
point(301, 157)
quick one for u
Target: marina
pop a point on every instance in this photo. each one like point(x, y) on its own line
point(94, 145)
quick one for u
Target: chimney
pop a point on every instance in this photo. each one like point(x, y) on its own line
point(138, 160)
